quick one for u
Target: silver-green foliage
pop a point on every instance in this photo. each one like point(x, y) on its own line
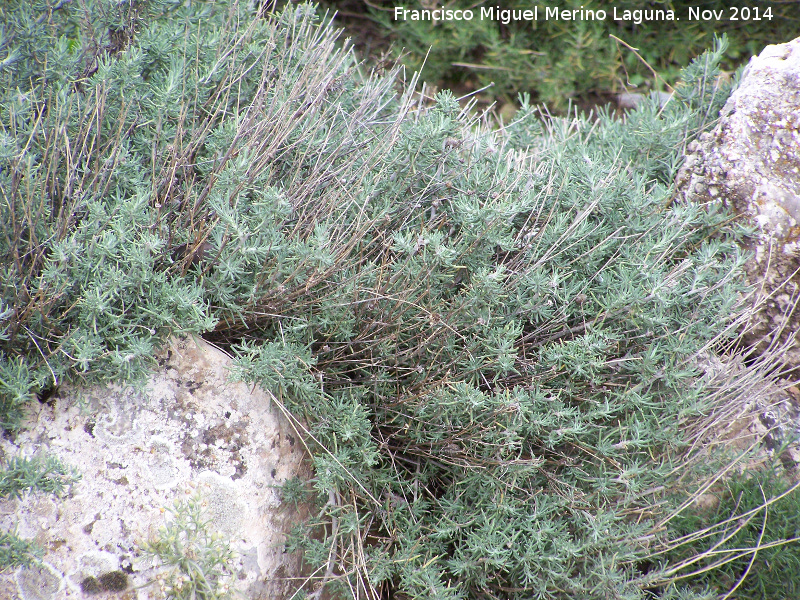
point(82, 251)
point(194, 561)
point(40, 473)
point(19, 476)
point(493, 340)
point(490, 335)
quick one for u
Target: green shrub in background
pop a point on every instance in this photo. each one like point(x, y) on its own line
point(488, 338)
point(558, 61)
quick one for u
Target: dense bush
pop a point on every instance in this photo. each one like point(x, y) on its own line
point(558, 60)
point(86, 125)
point(489, 338)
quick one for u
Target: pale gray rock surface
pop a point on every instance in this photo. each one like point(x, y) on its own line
point(190, 433)
point(751, 162)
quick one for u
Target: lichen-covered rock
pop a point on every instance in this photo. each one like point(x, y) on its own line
point(751, 161)
point(190, 433)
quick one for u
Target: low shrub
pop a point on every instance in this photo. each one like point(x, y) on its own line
point(489, 338)
point(496, 361)
point(563, 60)
point(194, 561)
point(84, 288)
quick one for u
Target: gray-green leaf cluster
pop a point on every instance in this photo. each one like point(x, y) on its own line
point(489, 336)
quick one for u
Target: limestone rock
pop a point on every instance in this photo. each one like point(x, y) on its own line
point(751, 162)
point(190, 433)
point(757, 415)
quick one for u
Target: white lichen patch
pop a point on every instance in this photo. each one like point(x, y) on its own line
point(189, 430)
